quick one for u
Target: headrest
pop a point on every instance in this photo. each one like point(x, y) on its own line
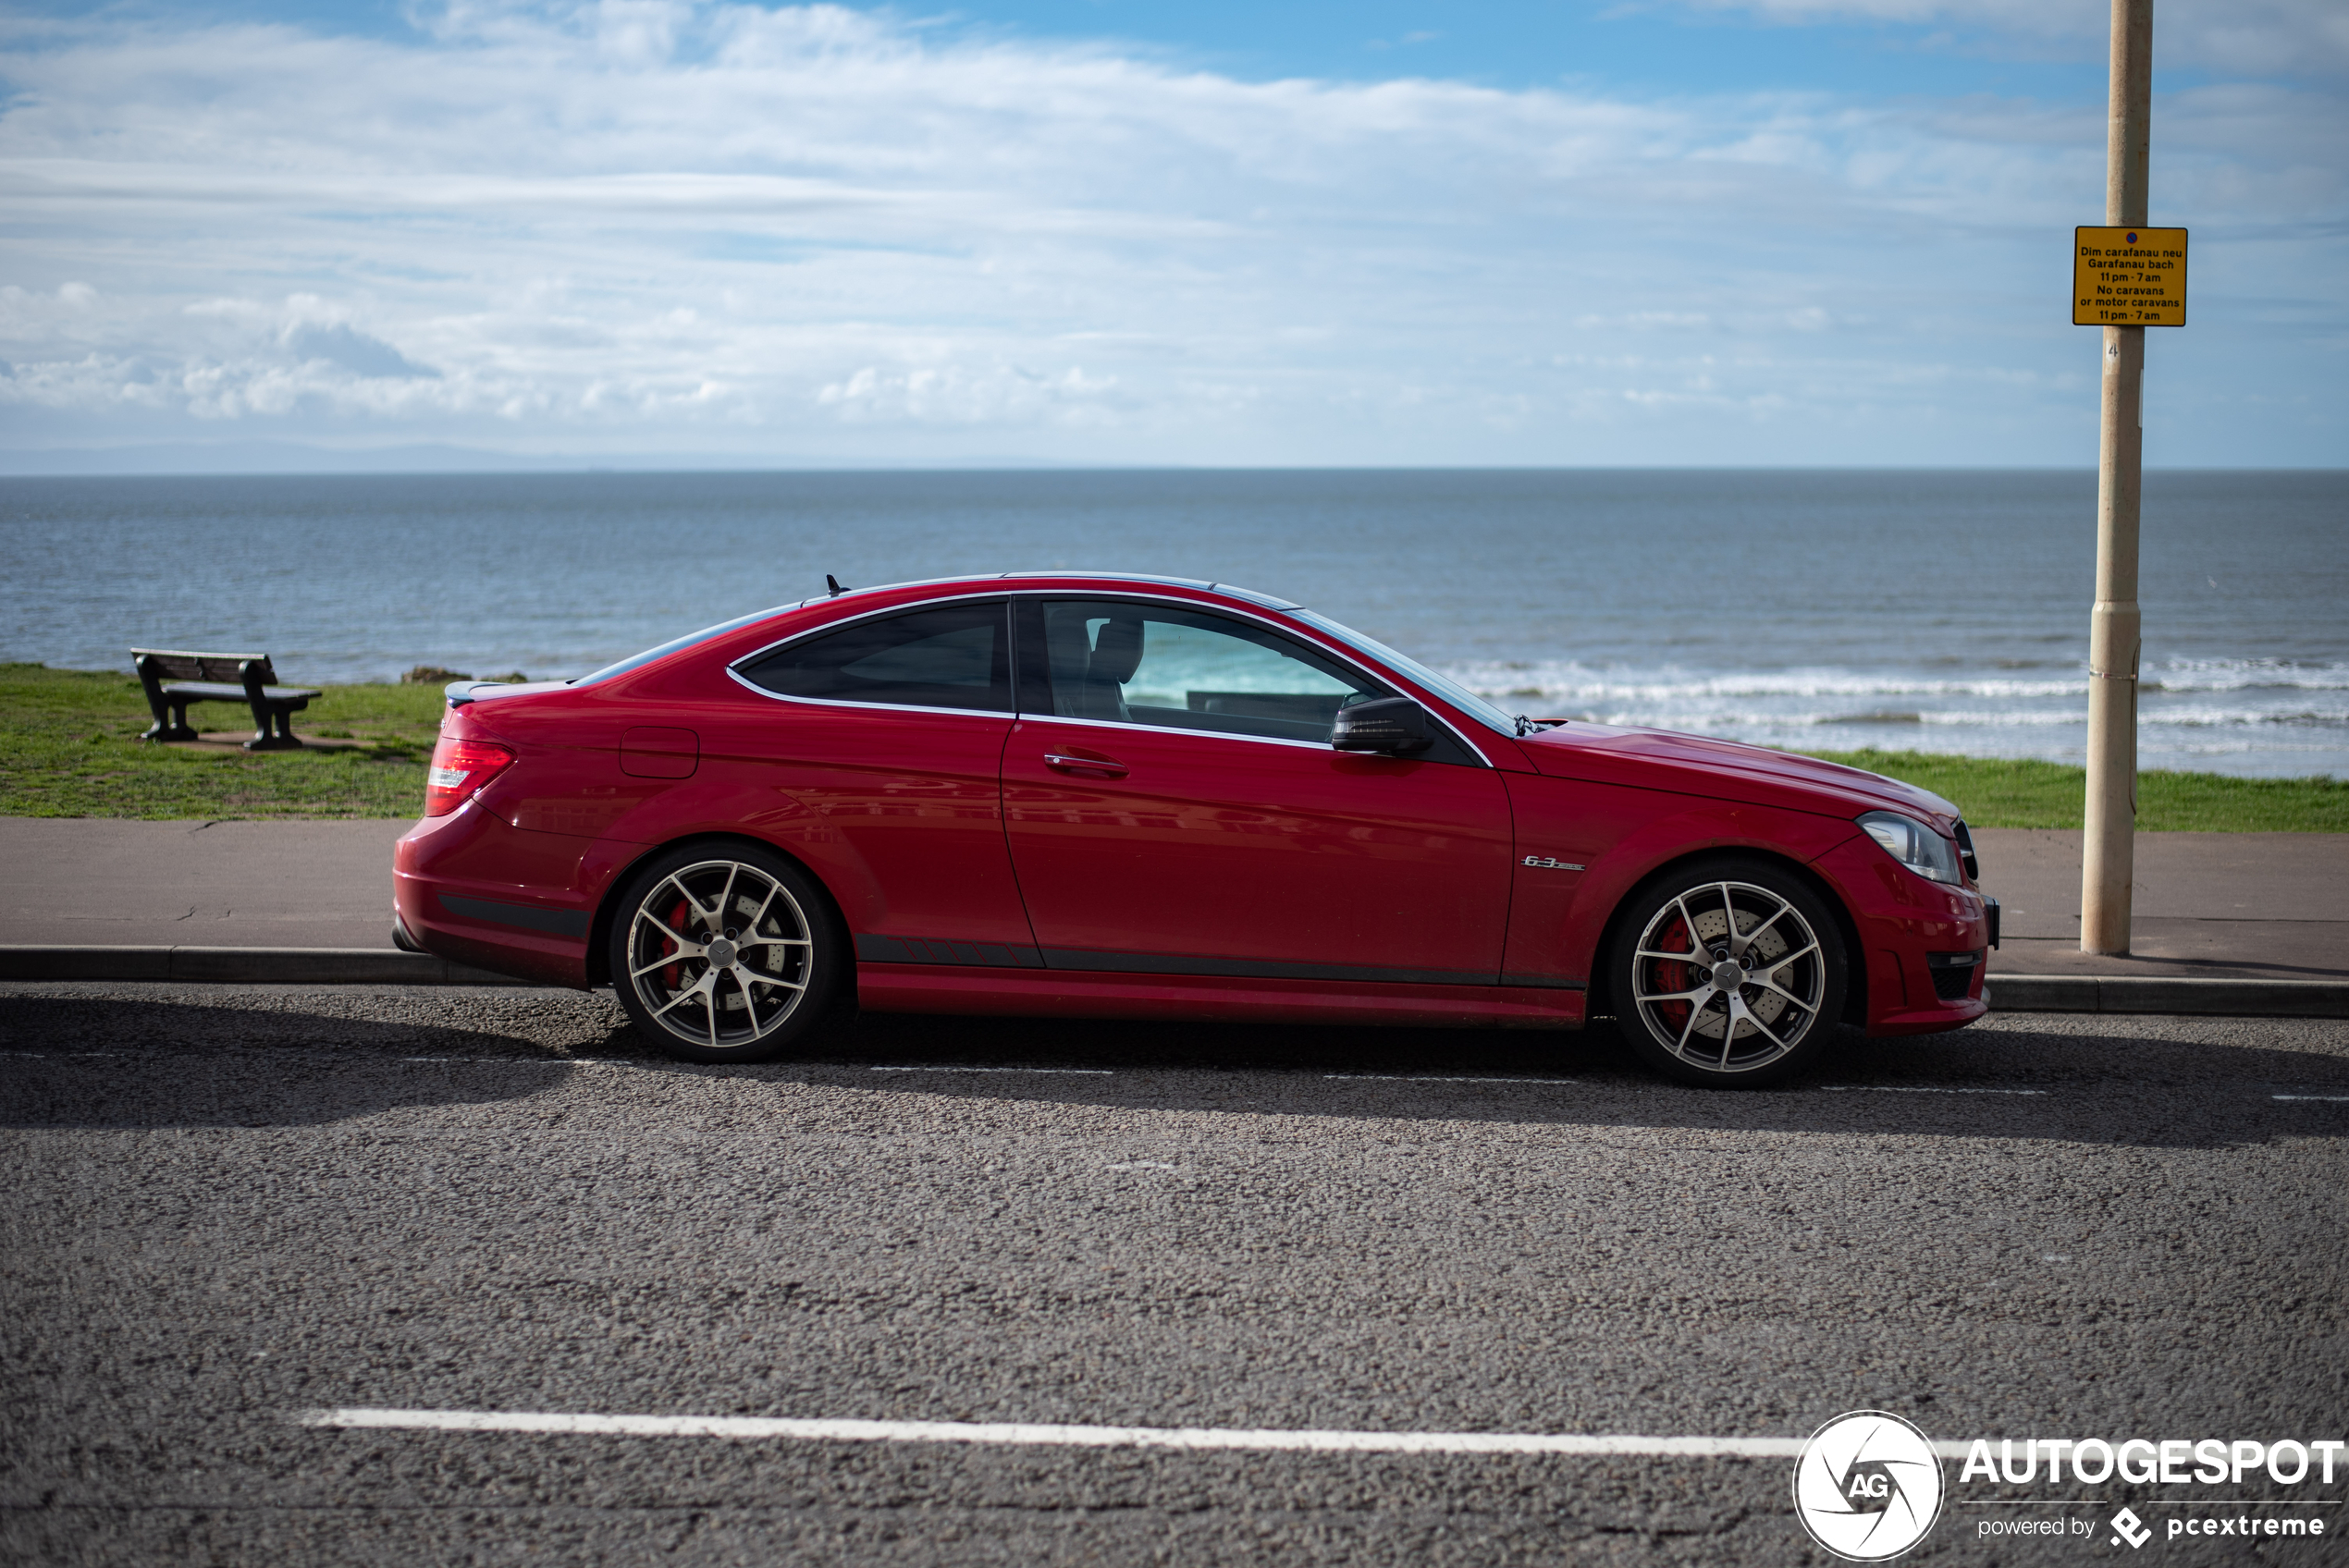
point(1117, 650)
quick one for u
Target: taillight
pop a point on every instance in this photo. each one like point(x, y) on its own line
point(459, 767)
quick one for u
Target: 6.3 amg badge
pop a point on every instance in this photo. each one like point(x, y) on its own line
point(1868, 1486)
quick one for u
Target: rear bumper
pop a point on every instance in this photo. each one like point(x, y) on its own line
point(1908, 930)
point(472, 888)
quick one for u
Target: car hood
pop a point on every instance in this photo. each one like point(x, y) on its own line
point(1700, 765)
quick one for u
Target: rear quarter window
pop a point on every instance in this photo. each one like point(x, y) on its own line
point(954, 656)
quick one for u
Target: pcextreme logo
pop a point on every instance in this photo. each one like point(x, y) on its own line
point(1868, 1486)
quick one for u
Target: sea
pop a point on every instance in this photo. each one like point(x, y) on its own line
point(1942, 611)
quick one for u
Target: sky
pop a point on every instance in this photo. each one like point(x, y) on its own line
point(264, 234)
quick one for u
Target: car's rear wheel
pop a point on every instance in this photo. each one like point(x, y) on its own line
point(1728, 973)
point(724, 953)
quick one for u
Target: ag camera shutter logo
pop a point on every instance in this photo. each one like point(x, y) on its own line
point(1868, 1486)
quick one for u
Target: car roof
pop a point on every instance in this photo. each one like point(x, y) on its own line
point(1229, 590)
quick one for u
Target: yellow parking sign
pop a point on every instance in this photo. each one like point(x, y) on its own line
point(2129, 277)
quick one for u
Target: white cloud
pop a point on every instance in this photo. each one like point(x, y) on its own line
point(2265, 37)
point(354, 351)
point(690, 226)
point(959, 395)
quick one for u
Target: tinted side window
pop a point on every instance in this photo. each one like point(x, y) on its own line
point(954, 657)
point(1185, 670)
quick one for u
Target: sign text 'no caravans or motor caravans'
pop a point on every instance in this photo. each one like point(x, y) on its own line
point(2128, 277)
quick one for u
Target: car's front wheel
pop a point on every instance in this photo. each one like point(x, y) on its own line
point(723, 953)
point(1727, 974)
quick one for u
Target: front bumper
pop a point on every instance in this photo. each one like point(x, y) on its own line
point(1910, 932)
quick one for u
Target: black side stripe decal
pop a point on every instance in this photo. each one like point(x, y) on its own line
point(559, 922)
point(1545, 982)
point(1255, 969)
point(871, 948)
point(874, 948)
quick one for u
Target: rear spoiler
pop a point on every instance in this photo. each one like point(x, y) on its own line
point(460, 692)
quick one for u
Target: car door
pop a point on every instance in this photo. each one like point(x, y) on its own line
point(888, 732)
point(1174, 807)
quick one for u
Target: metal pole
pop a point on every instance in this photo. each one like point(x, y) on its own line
point(2108, 861)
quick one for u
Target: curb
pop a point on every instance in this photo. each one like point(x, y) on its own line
point(388, 966)
point(2134, 993)
point(250, 967)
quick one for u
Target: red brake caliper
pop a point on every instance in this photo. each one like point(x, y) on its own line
point(674, 976)
point(1671, 976)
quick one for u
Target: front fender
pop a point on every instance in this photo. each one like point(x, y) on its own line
point(1620, 836)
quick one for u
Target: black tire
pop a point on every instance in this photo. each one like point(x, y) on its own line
point(744, 997)
point(1684, 1017)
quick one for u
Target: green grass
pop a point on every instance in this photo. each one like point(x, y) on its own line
point(69, 747)
point(1997, 792)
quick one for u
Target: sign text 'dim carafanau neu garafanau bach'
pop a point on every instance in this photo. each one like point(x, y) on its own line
point(2128, 277)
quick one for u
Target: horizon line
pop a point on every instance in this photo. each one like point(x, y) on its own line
point(527, 469)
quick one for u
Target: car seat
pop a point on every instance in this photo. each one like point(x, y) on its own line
point(1098, 689)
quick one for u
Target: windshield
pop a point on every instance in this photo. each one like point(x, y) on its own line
point(673, 644)
point(1443, 686)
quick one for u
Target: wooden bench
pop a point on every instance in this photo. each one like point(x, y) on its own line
point(174, 678)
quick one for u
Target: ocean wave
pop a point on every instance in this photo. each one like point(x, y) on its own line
point(1561, 681)
point(1569, 681)
point(1725, 720)
point(2222, 717)
point(2242, 675)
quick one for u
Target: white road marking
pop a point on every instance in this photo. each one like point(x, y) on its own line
point(1916, 1089)
point(2332, 1099)
point(1066, 1072)
point(508, 1060)
point(1433, 1078)
point(1022, 1435)
point(1142, 1165)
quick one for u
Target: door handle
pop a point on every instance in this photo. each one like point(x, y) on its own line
point(1066, 763)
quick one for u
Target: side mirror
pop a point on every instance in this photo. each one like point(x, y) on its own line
point(1395, 727)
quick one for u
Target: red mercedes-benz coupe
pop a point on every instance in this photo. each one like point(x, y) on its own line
point(1098, 795)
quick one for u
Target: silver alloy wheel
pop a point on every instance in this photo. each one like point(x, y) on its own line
point(1728, 976)
point(719, 953)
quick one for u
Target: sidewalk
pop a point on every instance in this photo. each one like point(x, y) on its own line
point(2233, 906)
point(77, 880)
point(2216, 906)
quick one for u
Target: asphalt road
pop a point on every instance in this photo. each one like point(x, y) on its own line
point(229, 1205)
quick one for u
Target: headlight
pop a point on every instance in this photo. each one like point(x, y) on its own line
point(1913, 845)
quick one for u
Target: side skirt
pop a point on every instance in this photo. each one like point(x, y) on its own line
point(969, 988)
